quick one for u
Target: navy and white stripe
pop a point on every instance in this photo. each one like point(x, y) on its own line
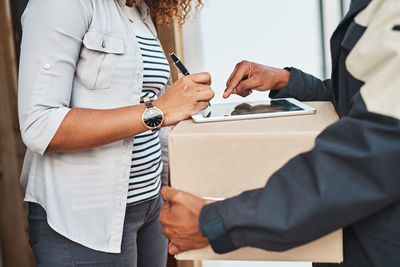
point(146, 165)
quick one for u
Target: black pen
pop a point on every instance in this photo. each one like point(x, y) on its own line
point(178, 63)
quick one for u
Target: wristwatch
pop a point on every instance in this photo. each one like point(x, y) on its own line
point(152, 117)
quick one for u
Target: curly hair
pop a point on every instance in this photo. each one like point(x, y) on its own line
point(164, 10)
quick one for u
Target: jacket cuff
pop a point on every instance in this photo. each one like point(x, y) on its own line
point(212, 226)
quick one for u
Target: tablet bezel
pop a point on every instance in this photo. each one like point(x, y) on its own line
point(199, 118)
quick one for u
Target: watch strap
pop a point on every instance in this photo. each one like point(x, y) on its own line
point(148, 102)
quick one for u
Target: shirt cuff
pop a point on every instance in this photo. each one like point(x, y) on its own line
point(212, 226)
point(41, 128)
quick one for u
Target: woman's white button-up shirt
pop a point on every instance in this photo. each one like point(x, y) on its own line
point(78, 53)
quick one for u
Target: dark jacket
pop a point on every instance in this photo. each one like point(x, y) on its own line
point(350, 179)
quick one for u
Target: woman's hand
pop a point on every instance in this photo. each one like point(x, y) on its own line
point(248, 76)
point(189, 95)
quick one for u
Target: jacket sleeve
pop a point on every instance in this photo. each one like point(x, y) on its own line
point(304, 87)
point(51, 42)
point(351, 173)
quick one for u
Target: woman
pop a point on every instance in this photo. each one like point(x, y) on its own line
point(91, 101)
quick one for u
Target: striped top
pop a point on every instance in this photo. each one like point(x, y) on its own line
point(146, 166)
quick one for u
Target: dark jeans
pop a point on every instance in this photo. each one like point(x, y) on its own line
point(143, 244)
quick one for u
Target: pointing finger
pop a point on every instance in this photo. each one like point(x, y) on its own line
point(236, 78)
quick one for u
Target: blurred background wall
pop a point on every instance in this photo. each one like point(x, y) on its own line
point(276, 33)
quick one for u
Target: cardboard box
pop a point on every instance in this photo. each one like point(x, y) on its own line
point(222, 159)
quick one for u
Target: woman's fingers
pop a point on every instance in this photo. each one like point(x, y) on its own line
point(202, 77)
point(200, 106)
point(205, 95)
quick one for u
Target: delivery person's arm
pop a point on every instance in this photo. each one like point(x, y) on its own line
point(288, 82)
point(304, 87)
point(352, 172)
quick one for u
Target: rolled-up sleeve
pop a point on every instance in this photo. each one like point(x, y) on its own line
point(51, 42)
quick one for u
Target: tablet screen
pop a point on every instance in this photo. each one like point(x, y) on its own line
point(249, 108)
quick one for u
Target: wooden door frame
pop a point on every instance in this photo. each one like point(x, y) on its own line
point(170, 36)
point(15, 250)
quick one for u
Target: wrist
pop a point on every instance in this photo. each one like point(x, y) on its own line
point(160, 105)
point(282, 80)
point(152, 116)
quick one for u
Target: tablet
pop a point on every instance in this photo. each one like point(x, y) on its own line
point(253, 110)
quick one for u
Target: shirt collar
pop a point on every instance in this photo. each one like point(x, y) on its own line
point(122, 3)
point(143, 8)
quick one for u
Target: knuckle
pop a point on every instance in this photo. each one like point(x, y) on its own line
point(185, 79)
point(172, 250)
point(165, 231)
point(178, 196)
point(163, 189)
point(162, 219)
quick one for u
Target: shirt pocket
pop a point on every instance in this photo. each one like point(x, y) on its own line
point(98, 60)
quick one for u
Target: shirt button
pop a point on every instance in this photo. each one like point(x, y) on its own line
point(103, 44)
point(47, 66)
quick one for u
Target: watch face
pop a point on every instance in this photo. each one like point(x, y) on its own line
point(153, 118)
